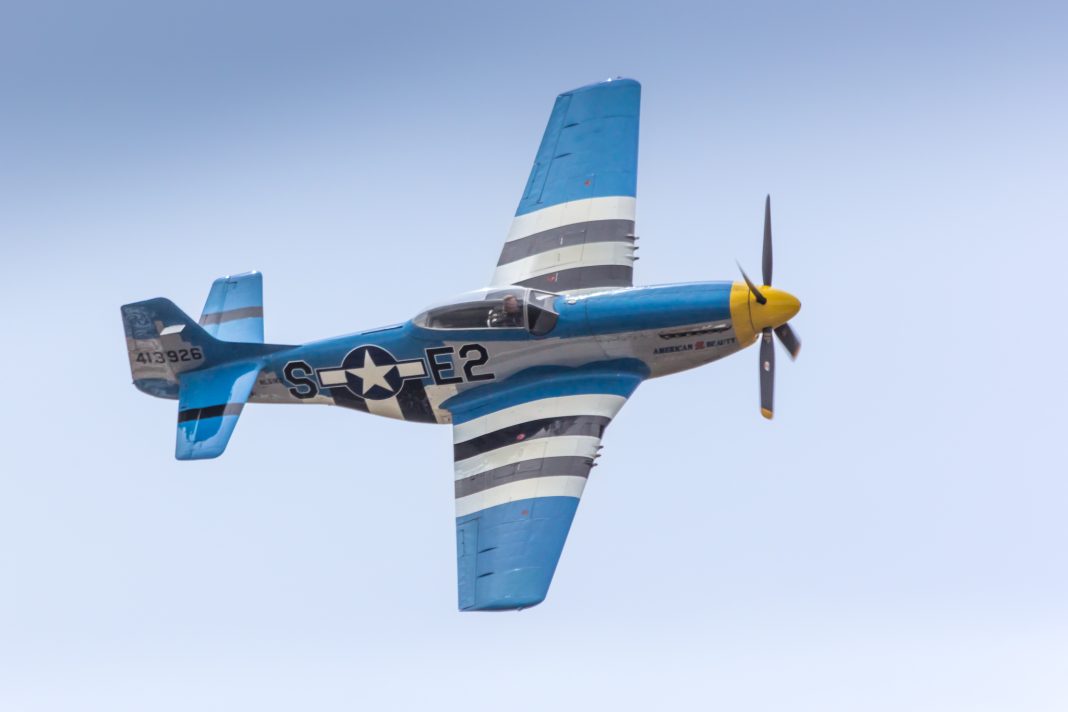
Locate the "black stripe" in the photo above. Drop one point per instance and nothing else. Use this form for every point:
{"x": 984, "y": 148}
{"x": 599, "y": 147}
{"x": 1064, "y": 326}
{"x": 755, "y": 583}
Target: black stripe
{"x": 696, "y": 332}
{"x": 528, "y": 469}
{"x": 346, "y": 399}
{"x": 545, "y": 428}
{"x": 211, "y": 411}
{"x": 223, "y": 316}
{"x": 583, "y": 278}
{"x": 575, "y": 234}
{"x": 414, "y": 404}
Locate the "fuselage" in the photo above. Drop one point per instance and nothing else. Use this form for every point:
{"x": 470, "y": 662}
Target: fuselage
{"x": 411, "y": 370}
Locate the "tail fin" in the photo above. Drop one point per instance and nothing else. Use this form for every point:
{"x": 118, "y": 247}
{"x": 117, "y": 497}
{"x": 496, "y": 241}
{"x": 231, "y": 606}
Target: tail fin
{"x": 234, "y": 309}
{"x": 163, "y": 342}
{"x": 171, "y": 356}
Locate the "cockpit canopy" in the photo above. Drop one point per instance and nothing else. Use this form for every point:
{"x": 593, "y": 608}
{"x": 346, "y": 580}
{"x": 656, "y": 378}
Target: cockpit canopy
{"x": 494, "y": 308}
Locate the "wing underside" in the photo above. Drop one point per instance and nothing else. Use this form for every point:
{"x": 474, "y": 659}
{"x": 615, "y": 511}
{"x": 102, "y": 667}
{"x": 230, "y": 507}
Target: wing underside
{"x": 574, "y": 227}
{"x": 523, "y": 450}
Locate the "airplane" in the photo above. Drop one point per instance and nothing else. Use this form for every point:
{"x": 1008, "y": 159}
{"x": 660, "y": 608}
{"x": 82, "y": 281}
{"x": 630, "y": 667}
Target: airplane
{"x": 528, "y": 371}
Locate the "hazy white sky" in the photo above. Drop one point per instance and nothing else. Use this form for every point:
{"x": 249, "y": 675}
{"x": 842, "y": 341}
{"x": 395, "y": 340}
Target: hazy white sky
{"x": 894, "y": 540}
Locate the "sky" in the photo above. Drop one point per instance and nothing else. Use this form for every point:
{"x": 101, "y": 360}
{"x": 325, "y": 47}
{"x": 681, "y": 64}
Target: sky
{"x": 895, "y": 539}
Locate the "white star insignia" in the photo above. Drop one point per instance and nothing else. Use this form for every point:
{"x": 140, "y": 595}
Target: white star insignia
{"x": 371, "y": 374}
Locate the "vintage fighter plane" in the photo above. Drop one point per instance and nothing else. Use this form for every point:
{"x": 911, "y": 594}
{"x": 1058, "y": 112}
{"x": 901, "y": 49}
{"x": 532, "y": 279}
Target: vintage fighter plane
{"x": 528, "y": 371}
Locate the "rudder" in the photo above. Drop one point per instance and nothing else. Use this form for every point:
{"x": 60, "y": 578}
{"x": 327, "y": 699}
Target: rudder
{"x": 234, "y": 308}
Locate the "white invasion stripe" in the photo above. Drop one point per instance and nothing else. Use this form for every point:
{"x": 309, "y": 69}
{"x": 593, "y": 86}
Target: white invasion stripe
{"x": 437, "y": 395}
{"x": 577, "y": 211}
{"x": 333, "y": 377}
{"x": 388, "y": 407}
{"x": 587, "y": 255}
{"x": 558, "y": 407}
{"x": 562, "y": 446}
{"x": 559, "y": 486}
{"x": 411, "y": 369}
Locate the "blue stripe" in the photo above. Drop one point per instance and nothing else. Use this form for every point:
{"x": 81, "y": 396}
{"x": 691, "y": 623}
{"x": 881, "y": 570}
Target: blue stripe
{"x": 515, "y": 547}
{"x": 619, "y": 377}
{"x": 589, "y": 149}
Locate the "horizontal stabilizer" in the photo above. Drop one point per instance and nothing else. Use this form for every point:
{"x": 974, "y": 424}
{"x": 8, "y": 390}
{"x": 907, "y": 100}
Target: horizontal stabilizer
{"x": 209, "y": 403}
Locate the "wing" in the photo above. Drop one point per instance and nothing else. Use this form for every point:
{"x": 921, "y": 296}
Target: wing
{"x": 523, "y": 449}
{"x": 574, "y": 228}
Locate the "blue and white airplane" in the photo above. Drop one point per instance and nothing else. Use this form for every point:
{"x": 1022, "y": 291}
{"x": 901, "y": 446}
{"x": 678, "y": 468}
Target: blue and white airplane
{"x": 528, "y": 371}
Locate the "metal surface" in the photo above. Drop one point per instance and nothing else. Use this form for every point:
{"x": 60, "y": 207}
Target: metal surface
{"x": 529, "y": 380}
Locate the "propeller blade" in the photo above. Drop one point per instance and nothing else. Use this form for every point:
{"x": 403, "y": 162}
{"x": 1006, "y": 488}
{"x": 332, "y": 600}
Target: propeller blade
{"x": 761, "y": 299}
{"x": 789, "y": 339}
{"x": 767, "y": 242}
{"x": 767, "y": 374}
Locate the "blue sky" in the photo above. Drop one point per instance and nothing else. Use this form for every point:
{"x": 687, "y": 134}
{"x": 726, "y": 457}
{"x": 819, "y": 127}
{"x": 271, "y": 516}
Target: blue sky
{"x": 895, "y": 539}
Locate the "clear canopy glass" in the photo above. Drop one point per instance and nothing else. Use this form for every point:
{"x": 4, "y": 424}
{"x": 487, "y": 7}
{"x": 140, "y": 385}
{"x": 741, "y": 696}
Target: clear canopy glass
{"x": 494, "y": 308}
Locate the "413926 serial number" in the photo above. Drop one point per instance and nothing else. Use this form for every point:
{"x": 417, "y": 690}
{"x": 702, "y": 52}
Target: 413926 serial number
{"x": 173, "y": 356}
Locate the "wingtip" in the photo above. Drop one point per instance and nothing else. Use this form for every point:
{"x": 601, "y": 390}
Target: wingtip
{"x": 611, "y": 81}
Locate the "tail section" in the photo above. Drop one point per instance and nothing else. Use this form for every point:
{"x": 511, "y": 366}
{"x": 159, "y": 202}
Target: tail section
{"x": 163, "y": 343}
{"x": 234, "y": 309}
{"x": 209, "y": 404}
{"x": 171, "y": 356}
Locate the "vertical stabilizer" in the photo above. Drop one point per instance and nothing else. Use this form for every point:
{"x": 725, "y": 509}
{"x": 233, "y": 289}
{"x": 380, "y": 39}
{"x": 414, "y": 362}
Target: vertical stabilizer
{"x": 234, "y": 309}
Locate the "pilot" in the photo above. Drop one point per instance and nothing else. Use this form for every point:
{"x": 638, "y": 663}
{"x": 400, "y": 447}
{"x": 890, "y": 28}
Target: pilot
{"x": 509, "y": 314}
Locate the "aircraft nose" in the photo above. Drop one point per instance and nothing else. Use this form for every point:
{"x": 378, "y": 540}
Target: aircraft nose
{"x": 780, "y": 308}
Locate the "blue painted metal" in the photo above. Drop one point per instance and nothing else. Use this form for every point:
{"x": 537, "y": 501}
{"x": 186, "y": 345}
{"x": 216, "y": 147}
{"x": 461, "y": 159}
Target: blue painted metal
{"x": 222, "y": 389}
{"x": 507, "y": 554}
{"x": 517, "y": 548}
{"x": 619, "y": 377}
{"x": 467, "y": 560}
{"x": 233, "y": 310}
{"x": 657, "y": 307}
{"x": 143, "y": 321}
{"x": 589, "y": 149}
{"x": 603, "y": 342}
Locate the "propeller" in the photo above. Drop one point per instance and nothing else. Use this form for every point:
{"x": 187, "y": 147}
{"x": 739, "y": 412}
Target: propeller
{"x": 780, "y": 305}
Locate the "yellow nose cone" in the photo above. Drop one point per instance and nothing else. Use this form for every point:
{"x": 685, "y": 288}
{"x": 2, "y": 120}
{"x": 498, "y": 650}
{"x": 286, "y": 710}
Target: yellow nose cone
{"x": 750, "y": 317}
{"x": 780, "y": 308}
